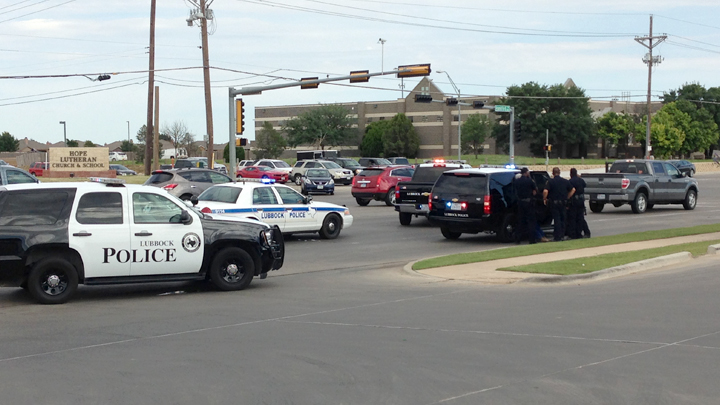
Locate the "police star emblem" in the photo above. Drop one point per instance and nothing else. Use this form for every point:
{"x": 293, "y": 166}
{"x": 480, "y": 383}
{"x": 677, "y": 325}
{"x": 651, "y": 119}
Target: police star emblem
{"x": 191, "y": 242}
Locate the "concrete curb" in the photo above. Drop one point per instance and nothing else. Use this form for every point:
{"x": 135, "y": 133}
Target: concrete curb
{"x": 713, "y": 249}
{"x": 409, "y": 270}
{"x": 625, "y": 269}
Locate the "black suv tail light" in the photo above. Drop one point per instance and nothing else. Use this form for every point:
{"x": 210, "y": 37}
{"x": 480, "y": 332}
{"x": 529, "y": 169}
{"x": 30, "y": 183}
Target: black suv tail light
{"x": 486, "y": 205}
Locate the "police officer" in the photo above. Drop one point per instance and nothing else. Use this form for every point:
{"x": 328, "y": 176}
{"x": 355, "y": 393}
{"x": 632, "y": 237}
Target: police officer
{"x": 576, "y": 224}
{"x": 556, "y": 195}
{"x": 525, "y": 189}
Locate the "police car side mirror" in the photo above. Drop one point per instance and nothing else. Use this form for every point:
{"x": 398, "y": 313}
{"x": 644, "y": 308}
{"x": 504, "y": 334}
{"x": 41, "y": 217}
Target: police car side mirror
{"x": 194, "y": 200}
{"x": 307, "y": 199}
{"x": 185, "y": 218}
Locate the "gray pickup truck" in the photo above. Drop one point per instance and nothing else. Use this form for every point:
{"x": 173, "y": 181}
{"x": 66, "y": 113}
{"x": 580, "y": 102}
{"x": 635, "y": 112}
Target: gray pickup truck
{"x": 642, "y": 184}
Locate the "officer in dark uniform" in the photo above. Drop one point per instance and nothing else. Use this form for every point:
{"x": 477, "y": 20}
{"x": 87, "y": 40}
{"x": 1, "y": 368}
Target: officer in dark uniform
{"x": 525, "y": 189}
{"x": 556, "y": 194}
{"x": 576, "y": 224}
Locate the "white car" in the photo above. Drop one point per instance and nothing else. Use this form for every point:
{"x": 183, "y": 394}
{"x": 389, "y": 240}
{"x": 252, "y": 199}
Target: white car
{"x": 275, "y": 164}
{"x": 275, "y": 204}
{"x": 115, "y": 156}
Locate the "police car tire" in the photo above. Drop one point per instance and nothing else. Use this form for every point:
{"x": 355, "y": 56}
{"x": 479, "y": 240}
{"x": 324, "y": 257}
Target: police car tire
{"x": 225, "y": 281}
{"x": 362, "y": 201}
{"x": 331, "y": 227}
{"x": 405, "y": 218}
{"x": 507, "y": 229}
{"x": 48, "y": 267}
{"x": 390, "y": 197}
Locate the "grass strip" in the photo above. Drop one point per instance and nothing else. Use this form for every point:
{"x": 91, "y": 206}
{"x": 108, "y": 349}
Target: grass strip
{"x": 539, "y": 248}
{"x": 584, "y": 265}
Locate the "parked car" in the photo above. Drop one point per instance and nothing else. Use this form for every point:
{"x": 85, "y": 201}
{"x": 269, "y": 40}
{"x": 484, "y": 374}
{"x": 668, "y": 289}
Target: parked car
{"x": 115, "y": 156}
{"x": 274, "y": 163}
{"x": 378, "y": 183}
{"x": 4, "y": 163}
{"x": 121, "y": 170}
{"x": 200, "y": 162}
{"x": 246, "y": 163}
{"x": 317, "y": 181}
{"x": 262, "y": 172}
{"x": 684, "y": 166}
{"x": 14, "y": 175}
{"x": 186, "y": 183}
{"x": 37, "y": 168}
{"x": 399, "y": 161}
{"x": 369, "y": 161}
{"x": 338, "y": 174}
{"x": 347, "y": 163}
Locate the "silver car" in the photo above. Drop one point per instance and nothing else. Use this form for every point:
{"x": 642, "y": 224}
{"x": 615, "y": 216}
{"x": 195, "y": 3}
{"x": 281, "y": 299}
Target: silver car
{"x": 186, "y": 183}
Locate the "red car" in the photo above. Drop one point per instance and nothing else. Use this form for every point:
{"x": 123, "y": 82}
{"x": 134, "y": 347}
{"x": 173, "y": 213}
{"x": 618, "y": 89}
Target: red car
{"x": 378, "y": 183}
{"x": 37, "y": 168}
{"x": 263, "y": 172}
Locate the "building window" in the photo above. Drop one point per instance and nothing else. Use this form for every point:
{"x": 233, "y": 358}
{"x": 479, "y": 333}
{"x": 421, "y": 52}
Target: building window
{"x": 424, "y": 118}
{"x": 455, "y": 118}
{"x": 412, "y": 119}
{"x": 381, "y": 119}
{"x": 369, "y": 120}
{"x": 439, "y": 118}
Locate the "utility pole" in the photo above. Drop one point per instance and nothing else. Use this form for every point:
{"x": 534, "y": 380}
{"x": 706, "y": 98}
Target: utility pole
{"x": 382, "y": 55}
{"x": 156, "y": 138}
{"x": 204, "y": 15}
{"x": 650, "y": 61}
{"x": 151, "y": 85}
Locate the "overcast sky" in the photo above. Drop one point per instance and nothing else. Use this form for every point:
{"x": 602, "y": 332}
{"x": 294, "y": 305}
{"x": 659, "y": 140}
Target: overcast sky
{"x": 484, "y": 46}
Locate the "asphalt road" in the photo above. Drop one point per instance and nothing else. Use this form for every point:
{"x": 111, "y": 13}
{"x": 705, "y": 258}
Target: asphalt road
{"x": 350, "y": 327}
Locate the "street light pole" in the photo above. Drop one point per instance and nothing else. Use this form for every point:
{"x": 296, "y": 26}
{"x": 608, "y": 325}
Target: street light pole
{"x": 64, "y": 132}
{"x": 459, "y": 115}
{"x": 382, "y": 55}
{"x": 128, "y": 122}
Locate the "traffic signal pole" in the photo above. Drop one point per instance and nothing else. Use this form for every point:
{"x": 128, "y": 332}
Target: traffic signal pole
{"x": 512, "y": 136}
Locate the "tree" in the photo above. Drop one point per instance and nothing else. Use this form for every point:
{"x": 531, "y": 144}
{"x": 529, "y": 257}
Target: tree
{"x": 617, "y": 128}
{"x": 475, "y": 130}
{"x": 703, "y": 107}
{"x": 269, "y": 143}
{"x": 328, "y": 125}
{"x": 564, "y": 111}
{"x": 668, "y": 130}
{"x": 71, "y": 143}
{"x": 239, "y": 153}
{"x": 89, "y": 144}
{"x": 400, "y": 138}
{"x": 127, "y": 146}
{"x": 8, "y": 143}
{"x": 372, "y": 142}
{"x": 177, "y": 132}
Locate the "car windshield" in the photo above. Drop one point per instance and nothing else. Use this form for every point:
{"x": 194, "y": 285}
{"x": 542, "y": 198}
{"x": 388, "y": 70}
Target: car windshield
{"x": 318, "y": 173}
{"x": 382, "y": 162}
{"x": 264, "y": 168}
{"x": 401, "y": 161}
{"x": 331, "y": 165}
{"x": 280, "y": 163}
{"x": 350, "y": 163}
{"x": 220, "y": 194}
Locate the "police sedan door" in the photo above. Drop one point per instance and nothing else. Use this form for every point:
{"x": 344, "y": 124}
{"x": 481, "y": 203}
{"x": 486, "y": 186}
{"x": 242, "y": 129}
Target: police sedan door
{"x": 161, "y": 244}
{"x": 298, "y": 215}
{"x": 267, "y": 206}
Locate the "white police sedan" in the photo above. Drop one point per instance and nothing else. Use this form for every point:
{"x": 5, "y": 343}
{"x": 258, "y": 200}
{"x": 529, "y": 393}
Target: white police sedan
{"x": 275, "y": 204}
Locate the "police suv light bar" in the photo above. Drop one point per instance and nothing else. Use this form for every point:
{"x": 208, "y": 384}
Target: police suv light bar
{"x": 105, "y": 180}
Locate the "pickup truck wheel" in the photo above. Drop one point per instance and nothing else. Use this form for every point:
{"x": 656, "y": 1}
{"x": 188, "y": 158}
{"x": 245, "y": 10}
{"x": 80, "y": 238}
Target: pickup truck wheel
{"x": 362, "y": 201}
{"x": 331, "y": 227}
{"x": 596, "y": 207}
{"x": 390, "y": 197}
{"x": 639, "y": 205}
{"x": 506, "y": 231}
{"x": 52, "y": 281}
{"x": 650, "y": 206}
{"x": 405, "y": 218}
{"x": 232, "y": 269}
{"x": 298, "y": 179}
{"x": 690, "y": 200}
{"x": 448, "y": 234}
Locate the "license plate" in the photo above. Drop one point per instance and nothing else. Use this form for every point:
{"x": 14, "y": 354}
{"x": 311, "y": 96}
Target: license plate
{"x": 363, "y": 185}
{"x": 455, "y": 207}
{"x": 601, "y": 196}
{"x": 320, "y": 187}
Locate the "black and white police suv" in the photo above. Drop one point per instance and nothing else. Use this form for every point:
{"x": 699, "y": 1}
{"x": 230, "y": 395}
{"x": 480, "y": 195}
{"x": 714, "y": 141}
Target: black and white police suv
{"x": 58, "y": 235}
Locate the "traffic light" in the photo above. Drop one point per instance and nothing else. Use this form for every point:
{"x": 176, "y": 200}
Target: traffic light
{"x": 241, "y": 141}
{"x": 422, "y": 98}
{"x": 518, "y": 130}
{"x": 309, "y": 85}
{"x": 478, "y": 104}
{"x": 239, "y": 116}
{"x": 359, "y": 79}
{"x": 451, "y": 101}
{"x": 414, "y": 70}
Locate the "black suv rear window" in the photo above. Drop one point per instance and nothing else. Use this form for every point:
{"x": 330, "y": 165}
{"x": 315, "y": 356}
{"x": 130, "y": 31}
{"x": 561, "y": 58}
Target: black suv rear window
{"x": 371, "y": 172}
{"x": 158, "y": 178}
{"x": 429, "y": 174}
{"x": 32, "y": 208}
{"x": 461, "y": 183}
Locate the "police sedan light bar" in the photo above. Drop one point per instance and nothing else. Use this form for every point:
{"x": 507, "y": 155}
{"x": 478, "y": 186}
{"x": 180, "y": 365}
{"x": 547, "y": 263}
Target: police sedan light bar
{"x": 414, "y": 70}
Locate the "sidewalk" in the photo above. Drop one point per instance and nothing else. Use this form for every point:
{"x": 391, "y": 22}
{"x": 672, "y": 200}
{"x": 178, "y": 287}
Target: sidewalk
{"x": 487, "y": 273}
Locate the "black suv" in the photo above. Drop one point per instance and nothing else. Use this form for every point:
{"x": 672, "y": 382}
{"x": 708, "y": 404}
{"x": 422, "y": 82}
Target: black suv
{"x": 481, "y": 200}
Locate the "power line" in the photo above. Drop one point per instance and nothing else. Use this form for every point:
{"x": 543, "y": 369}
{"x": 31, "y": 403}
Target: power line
{"x": 688, "y": 22}
{"x": 692, "y": 40}
{"x": 38, "y": 11}
{"x": 20, "y": 8}
{"x": 681, "y": 45}
{"x": 93, "y": 40}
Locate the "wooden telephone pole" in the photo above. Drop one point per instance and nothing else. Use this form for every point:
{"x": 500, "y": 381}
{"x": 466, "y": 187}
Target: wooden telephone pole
{"x": 151, "y": 84}
{"x": 650, "y": 61}
{"x": 203, "y": 14}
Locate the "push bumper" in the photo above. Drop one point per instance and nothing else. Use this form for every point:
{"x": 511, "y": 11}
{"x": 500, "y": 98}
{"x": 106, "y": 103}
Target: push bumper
{"x": 416, "y": 209}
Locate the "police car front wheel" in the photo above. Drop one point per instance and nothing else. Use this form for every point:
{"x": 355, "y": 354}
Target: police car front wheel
{"x": 52, "y": 281}
{"x": 232, "y": 269}
{"x": 331, "y": 227}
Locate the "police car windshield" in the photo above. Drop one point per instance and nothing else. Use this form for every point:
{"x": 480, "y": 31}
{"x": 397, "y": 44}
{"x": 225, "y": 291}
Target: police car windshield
{"x": 220, "y": 194}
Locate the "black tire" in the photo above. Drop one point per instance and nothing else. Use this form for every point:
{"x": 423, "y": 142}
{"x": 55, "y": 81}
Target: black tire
{"x": 331, "y": 227}
{"x": 596, "y": 207}
{"x": 390, "y": 197}
{"x": 52, "y": 281}
{"x": 507, "y": 230}
{"x": 298, "y": 179}
{"x": 229, "y": 278}
{"x": 639, "y": 205}
{"x": 650, "y": 206}
{"x": 186, "y": 197}
{"x": 690, "y": 200}
{"x": 449, "y": 234}
{"x": 617, "y": 204}
{"x": 405, "y": 218}
{"x": 362, "y": 201}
